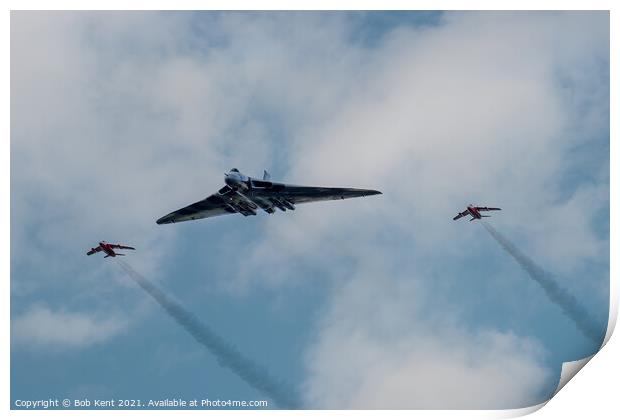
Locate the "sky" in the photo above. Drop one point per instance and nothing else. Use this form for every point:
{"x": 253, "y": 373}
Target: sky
{"x": 118, "y": 118}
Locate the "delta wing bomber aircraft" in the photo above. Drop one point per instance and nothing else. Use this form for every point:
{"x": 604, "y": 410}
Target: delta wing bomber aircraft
{"x": 246, "y": 195}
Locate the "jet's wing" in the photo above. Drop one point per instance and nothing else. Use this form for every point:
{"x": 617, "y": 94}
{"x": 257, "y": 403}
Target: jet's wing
{"x": 487, "y": 208}
{"x": 458, "y": 216}
{"x": 213, "y": 205}
{"x": 297, "y": 194}
{"x": 121, "y": 246}
{"x": 93, "y": 250}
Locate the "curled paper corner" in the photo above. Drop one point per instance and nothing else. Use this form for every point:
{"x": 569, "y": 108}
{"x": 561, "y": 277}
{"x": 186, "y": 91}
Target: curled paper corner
{"x": 570, "y": 369}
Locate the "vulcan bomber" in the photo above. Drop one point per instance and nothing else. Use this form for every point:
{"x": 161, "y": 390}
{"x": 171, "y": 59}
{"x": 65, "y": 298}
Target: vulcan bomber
{"x": 247, "y": 196}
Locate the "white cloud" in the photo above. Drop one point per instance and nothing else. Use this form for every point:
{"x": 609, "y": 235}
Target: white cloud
{"x": 483, "y": 371}
{"x": 40, "y": 327}
{"x": 116, "y": 116}
{"x": 385, "y": 342}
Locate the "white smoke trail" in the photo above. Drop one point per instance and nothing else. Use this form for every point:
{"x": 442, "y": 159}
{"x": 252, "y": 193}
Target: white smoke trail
{"x": 226, "y": 354}
{"x": 561, "y": 297}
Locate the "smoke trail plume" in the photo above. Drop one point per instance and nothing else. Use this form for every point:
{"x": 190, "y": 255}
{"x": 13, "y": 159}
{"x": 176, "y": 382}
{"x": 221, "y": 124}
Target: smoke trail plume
{"x": 226, "y": 354}
{"x": 561, "y": 297}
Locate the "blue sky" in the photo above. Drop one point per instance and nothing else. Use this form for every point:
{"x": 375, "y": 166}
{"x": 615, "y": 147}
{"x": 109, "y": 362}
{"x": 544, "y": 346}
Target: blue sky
{"x": 120, "y": 118}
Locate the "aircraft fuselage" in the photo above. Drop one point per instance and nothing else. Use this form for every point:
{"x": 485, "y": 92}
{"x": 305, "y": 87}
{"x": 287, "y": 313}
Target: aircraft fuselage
{"x": 236, "y": 180}
{"x": 473, "y": 211}
{"x": 107, "y": 249}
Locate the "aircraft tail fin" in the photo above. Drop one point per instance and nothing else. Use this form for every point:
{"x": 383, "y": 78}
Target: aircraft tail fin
{"x": 266, "y": 176}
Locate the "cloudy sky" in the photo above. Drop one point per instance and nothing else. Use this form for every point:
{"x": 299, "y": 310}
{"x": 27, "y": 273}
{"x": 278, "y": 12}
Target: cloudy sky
{"x": 118, "y": 118}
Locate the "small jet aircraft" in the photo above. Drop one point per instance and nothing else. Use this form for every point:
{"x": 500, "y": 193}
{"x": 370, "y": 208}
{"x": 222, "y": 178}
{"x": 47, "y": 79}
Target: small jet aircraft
{"x": 245, "y": 195}
{"x": 474, "y": 212}
{"x": 108, "y": 249}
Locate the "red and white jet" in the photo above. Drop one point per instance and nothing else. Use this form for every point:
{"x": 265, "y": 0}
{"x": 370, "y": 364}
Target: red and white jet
{"x": 474, "y": 212}
{"x": 108, "y": 249}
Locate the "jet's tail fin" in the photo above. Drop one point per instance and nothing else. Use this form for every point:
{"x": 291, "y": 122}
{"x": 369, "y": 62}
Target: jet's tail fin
{"x": 266, "y": 176}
